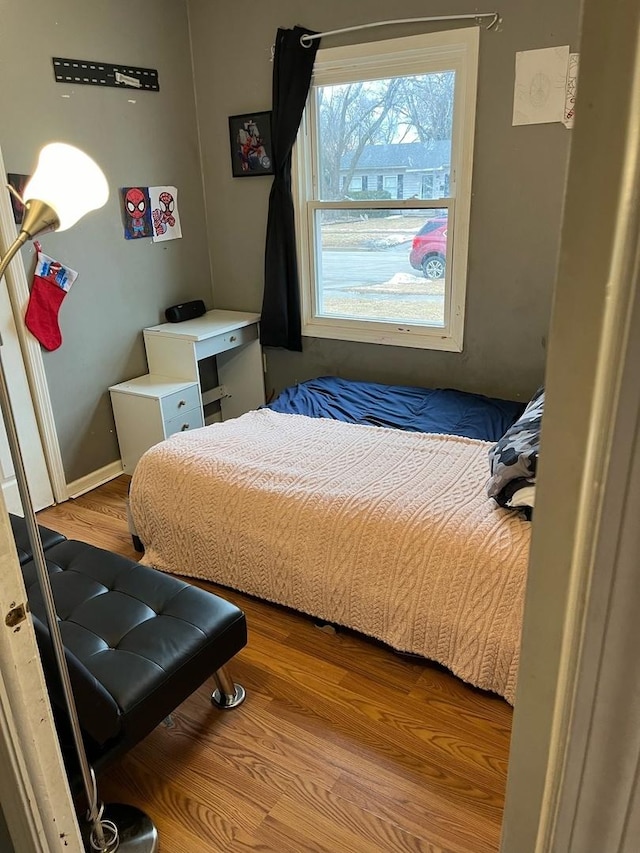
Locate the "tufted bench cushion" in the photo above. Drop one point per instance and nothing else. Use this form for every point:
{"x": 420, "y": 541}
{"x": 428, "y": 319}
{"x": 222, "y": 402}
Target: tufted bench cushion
{"x": 137, "y": 641}
{"x": 23, "y": 546}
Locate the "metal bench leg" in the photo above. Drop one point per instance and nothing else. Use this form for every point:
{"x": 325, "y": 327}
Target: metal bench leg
{"x": 228, "y": 695}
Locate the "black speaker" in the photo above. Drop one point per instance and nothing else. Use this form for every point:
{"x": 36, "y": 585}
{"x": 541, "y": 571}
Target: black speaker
{"x": 185, "y": 311}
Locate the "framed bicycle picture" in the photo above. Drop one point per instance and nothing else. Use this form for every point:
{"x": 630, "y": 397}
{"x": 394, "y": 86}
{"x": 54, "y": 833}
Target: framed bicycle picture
{"x": 250, "y": 139}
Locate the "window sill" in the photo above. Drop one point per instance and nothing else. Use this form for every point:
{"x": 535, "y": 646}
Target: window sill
{"x": 409, "y": 338}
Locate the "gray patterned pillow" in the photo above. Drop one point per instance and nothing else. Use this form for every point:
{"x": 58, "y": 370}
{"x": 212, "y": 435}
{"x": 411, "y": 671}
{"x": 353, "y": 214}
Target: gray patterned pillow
{"x": 514, "y": 459}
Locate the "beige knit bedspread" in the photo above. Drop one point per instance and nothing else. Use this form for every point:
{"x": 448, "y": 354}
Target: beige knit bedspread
{"x": 388, "y": 532}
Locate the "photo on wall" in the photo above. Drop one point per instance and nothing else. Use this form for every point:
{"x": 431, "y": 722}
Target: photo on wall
{"x": 250, "y": 138}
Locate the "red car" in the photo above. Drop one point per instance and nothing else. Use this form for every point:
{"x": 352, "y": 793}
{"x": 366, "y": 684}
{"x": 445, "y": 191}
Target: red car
{"x": 429, "y": 248}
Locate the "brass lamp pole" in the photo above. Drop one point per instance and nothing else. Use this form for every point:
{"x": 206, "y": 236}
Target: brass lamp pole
{"x": 66, "y": 185}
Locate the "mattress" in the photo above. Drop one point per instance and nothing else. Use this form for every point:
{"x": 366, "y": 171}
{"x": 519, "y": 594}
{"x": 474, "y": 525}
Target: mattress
{"x": 441, "y": 411}
{"x": 388, "y": 532}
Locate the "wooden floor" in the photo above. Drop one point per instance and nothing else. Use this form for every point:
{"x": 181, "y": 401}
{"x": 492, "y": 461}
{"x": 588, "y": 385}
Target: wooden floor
{"x": 341, "y": 745}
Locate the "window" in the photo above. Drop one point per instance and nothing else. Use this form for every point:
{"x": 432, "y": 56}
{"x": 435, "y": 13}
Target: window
{"x": 388, "y": 265}
{"x": 390, "y": 185}
{"x": 427, "y": 186}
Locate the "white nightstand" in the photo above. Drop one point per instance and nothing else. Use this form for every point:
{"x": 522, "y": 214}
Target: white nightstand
{"x": 151, "y": 408}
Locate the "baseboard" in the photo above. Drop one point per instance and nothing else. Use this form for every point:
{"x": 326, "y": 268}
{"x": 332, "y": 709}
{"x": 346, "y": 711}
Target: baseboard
{"x": 95, "y": 479}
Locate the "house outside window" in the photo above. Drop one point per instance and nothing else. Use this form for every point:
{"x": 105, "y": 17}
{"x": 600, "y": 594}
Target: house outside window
{"x": 380, "y": 263}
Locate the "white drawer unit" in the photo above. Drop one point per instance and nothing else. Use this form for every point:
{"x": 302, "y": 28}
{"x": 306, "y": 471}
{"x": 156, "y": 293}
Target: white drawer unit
{"x": 180, "y": 402}
{"x": 151, "y": 408}
{"x": 190, "y": 420}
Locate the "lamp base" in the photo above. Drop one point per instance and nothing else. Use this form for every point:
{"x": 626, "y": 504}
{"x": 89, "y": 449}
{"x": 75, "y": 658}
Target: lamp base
{"x": 137, "y": 832}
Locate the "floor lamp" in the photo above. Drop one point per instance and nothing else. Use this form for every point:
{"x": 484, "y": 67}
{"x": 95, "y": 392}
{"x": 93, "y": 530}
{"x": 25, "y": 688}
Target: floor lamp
{"x": 66, "y": 185}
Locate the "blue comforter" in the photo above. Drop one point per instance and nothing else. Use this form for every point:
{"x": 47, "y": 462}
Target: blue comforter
{"x": 400, "y": 407}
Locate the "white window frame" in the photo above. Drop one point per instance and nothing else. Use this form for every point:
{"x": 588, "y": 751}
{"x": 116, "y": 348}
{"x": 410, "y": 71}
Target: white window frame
{"x": 455, "y": 50}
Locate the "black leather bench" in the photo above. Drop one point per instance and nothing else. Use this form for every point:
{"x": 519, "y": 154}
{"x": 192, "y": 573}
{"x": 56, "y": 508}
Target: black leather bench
{"x": 23, "y": 546}
{"x": 137, "y": 641}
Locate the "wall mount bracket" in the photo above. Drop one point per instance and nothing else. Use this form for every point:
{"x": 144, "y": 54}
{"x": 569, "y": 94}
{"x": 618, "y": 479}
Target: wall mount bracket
{"x": 88, "y": 72}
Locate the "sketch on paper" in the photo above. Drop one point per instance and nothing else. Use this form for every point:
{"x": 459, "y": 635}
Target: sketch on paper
{"x": 137, "y": 216}
{"x": 164, "y": 213}
{"x": 572, "y": 88}
{"x": 540, "y": 86}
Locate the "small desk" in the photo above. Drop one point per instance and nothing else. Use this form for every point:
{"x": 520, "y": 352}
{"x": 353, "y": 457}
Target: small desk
{"x": 175, "y": 349}
{"x": 170, "y": 398}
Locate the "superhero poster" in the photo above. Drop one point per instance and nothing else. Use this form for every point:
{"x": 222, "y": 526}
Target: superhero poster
{"x": 250, "y": 136}
{"x": 136, "y": 207}
{"x": 165, "y": 218}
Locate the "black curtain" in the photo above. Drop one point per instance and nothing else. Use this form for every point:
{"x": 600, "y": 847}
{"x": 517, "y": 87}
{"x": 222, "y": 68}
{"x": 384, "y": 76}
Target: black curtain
{"x": 292, "y": 69}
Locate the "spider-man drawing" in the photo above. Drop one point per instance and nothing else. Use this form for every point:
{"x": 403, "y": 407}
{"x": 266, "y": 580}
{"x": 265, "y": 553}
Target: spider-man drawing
{"x": 135, "y": 203}
{"x": 163, "y": 217}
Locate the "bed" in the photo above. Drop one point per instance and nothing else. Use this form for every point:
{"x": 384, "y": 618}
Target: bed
{"x": 333, "y": 502}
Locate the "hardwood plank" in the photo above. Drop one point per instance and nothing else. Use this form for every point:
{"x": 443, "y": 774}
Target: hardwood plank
{"x": 343, "y": 825}
{"x": 341, "y": 744}
{"x": 384, "y": 726}
{"x": 404, "y": 804}
{"x": 352, "y": 760}
{"x": 367, "y": 659}
{"x": 380, "y": 748}
{"x": 460, "y": 718}
{"x": 265, "y": 753}
{"x": 173, "y": 809}
{"x": 435, "y": 681}
{"x": 224, "y": 788}
{"x": 101, "y": 529}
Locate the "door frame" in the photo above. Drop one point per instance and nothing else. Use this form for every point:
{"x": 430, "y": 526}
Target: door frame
{"x": 18, "y": 290}
{"x": 34, "y": 790}
{"x": 574, "y": 769}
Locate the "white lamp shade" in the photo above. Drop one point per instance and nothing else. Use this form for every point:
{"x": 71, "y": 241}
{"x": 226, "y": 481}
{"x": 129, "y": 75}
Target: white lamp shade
{"x": 69, "y": 181}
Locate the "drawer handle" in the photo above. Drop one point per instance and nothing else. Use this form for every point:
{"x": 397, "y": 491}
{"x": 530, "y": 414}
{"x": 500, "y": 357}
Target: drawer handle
{"x": 182, "y": 403}
{"x": 184, "y": 427}
{"x": 232, "y": 339}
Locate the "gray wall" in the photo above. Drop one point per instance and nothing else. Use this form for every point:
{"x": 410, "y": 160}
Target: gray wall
{"x": 123, "y": 286}
{"x": 518, "y": 185}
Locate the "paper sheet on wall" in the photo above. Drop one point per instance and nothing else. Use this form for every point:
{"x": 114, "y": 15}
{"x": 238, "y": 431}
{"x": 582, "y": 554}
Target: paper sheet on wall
{"x": 137, "y": 216}
{"x": 572, "y": 88}
{"x": 540, "y": 88}
{"x": 164, "y": 213}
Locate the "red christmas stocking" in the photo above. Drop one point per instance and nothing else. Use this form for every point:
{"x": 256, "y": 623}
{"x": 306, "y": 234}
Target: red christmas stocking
{"x": 51, "y": 282}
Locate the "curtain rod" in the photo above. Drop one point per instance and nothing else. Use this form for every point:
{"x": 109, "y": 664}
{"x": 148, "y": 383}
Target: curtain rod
{"x": 307, "y": 38}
